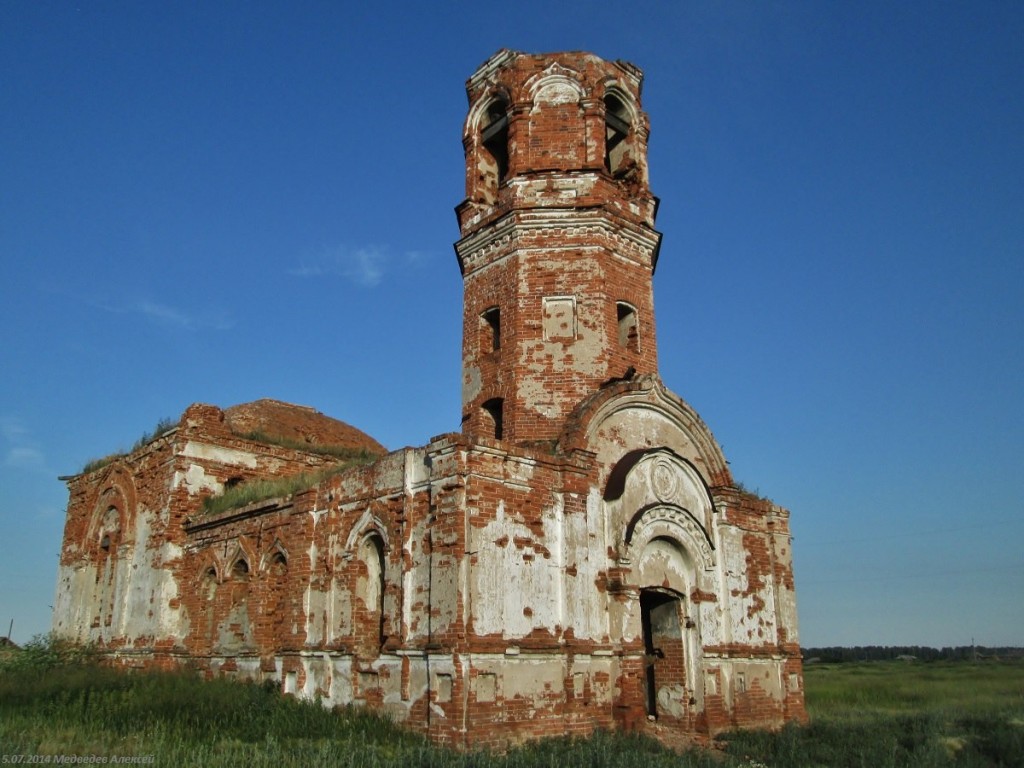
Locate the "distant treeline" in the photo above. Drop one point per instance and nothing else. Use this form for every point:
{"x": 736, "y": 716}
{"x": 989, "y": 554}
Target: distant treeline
{"x": 918, "y": 652}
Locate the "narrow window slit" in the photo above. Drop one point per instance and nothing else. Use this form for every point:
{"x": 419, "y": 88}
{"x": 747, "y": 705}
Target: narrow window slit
{"x": 629, "y": 335}
{"x": 494, "y": 408}
{"x": 491, "y": 329}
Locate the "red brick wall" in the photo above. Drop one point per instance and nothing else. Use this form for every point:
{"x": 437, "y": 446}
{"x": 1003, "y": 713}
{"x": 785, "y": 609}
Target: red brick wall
{"x": 561, "y": 226}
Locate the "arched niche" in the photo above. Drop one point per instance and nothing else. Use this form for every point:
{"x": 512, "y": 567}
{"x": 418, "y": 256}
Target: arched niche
{"x": 655, "y": 494}
{"x": 370, "y": 586}
{"x": 641, "y": 414}
{"x": 367, "y": 524}
{"x": 113, "y": 514}
{"x": 555, "y": 129}
{"x": 275, "y": 560}
{"x": 558, "y": 85}
{"x": 368, "y": 544}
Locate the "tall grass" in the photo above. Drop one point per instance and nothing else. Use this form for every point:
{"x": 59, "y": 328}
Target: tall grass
{"x": 55, "y": 699}
{"x": 55, "y": 702}
{"x": 882, "y": 714}
{"x": 867, "y": 691}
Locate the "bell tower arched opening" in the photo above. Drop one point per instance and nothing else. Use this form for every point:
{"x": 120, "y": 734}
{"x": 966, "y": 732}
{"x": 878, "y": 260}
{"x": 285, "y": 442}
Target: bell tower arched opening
{"x": 494, "y": 140}
{"x": 616, "y": 145}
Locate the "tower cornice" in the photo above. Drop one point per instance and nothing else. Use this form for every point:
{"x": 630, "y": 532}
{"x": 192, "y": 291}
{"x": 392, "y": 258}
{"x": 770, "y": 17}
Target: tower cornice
{"x": 568, "y": 228}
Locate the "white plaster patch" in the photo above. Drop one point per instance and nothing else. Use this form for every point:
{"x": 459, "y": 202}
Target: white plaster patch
{"x": 532, "y": 678}
{"x": 318, "y": 675}
{"x": 341, "y": 613}
{"x": 558, "y": 92}
{"x": 194, "y": 450}
{"x": 516, "y": 582}
{"x": 341, "y": 682}
{"x": 314, "y": 603}
{"x": 472, "y": 384}
{"x": 662, "y": 565}
{"x": 671, "y": 700}
{"x": 559, "y": 315}
{"x": 196, "y": 481}
{"x": 710, "y": 624}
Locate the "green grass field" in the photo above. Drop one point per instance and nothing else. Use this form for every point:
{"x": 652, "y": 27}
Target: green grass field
{"x": 875, "y": 715}
{"x": 893, "y": 713}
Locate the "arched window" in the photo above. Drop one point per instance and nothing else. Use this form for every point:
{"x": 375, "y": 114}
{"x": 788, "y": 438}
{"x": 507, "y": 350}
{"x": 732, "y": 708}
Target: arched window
{"x": 210, "y": 582}
{"x": 278, "y": 564}
{"x": 240, "y": 570}
{"x": 616, "y": 125}
{"x": 629, "y": 332}
{"x": 110, "y": 528}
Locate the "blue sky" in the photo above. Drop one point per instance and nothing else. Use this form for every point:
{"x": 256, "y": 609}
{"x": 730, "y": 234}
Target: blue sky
{"x": 216, "y": 202}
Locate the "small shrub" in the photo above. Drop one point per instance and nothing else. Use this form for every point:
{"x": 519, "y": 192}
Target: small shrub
{"x": 742, "y": 488}
{"x": 48, "y": 651}
{"x": 163, "y": 426}
{"x": 93, "y": 464}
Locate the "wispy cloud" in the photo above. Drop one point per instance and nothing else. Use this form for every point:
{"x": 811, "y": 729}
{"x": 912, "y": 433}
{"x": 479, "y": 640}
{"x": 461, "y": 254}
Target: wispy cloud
{"x": 25, "y": 458}
{"x": 12, "y": 430}
{"x": 165, "y": 315}
{"x": 363, "y": 266}
{"x": 20, "y": 450}
{"x": 416, "y": 257}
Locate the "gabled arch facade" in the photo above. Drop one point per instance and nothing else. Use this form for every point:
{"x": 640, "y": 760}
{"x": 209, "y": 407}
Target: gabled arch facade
{"x": 688, "y": 553}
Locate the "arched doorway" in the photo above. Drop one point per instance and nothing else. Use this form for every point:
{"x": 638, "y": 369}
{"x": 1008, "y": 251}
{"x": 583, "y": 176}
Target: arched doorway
{"x": 661, "y": 506}
{"x": 662, "y": 621}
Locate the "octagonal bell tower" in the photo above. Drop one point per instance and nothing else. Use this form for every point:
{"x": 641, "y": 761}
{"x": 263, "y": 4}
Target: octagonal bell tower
{"x": 558, "y": 243}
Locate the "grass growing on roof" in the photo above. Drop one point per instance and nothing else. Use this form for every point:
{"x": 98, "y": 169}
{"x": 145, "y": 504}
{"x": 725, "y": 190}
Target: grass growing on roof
{"x": 337, "y": 451}
{"x": 162, "y": 427}
{"x": 261, "y": 490}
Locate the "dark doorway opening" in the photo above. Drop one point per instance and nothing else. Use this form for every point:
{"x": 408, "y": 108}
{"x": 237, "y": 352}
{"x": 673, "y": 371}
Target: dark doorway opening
{"x": 663, "y": 643}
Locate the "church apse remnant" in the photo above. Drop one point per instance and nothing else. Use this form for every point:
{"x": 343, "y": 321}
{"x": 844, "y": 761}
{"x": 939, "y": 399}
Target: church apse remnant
{"x": 576, "y": 557}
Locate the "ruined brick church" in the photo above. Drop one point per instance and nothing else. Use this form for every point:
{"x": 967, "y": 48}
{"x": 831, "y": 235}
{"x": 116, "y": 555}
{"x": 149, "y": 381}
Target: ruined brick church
{"x": 576, "y": 557}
